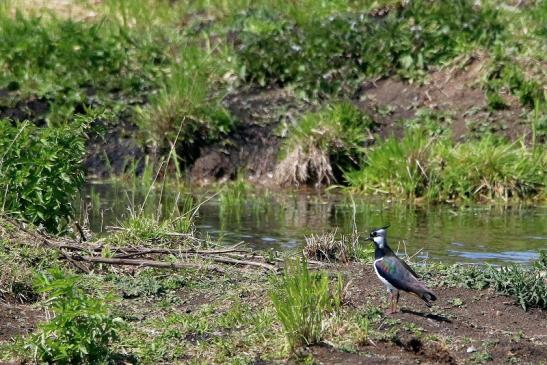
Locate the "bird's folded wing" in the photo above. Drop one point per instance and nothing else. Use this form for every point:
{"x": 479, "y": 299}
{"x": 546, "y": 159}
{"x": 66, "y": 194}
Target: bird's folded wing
{"x": 393, "y": 270}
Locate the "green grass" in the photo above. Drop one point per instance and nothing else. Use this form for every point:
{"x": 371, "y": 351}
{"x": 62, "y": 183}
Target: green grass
{"x": 322, "y": 144}
{"x": 302, "y": 301}
{"x": 419, "y": 166}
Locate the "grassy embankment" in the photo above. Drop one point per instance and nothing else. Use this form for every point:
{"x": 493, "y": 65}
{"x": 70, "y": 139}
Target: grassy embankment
{"x": 166, "y": 68}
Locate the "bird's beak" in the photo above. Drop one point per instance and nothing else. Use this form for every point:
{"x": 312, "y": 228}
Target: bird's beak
{"x": 369, "y": 239}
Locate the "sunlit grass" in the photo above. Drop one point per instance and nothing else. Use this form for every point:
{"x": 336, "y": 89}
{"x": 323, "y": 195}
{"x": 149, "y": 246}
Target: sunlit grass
{"x": 302, "y": 300}
{"x": 436, "y": 168}
{"x": 322, "y": 144}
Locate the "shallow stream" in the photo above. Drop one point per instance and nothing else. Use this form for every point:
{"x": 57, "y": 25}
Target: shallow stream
{"x": 473, "y": 233}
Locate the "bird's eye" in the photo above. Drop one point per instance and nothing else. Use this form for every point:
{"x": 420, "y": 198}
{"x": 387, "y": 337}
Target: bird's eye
{"x": 373, "y": 234}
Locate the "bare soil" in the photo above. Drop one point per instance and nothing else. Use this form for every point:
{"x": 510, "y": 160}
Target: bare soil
{"x": 485, "y": 324}
{"x": 254, "y": 145}
{"x": 17, "y": 319}
{"x": 455, "y": 90}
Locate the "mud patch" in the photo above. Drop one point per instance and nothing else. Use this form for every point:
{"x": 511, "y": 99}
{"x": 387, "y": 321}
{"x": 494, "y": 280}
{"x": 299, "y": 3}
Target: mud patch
{"x": 17, "y": 320}
{"x": 252, "y": 148}
{"x": 455, "y": 90}
{"x": 13, "y": 108}
{"x": 482, "y": 323}
{"x": 113, "y": 148}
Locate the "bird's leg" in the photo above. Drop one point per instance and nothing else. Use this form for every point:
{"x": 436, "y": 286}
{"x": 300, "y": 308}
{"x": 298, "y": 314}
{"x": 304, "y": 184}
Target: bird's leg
{"x": 390, "y": 301}
{"x": 397, "y": 295}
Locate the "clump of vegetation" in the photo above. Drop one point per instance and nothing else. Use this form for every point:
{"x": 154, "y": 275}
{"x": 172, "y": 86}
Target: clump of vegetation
{"x": 328, "y": 247}
{"x": 302, "y": 300}
{"x": 323, "y": 144}
{"x": 72, "y": 64}
{"x": 325, "y": 55}
{"x": 184, "y": 110}
{"x": 82, "y": 328}
{"x": 41, "y": 171}
{"x": 490, "y": 168}
{"x": 396, "y": 167}
{"x": 435, "y": 168}
{"x": 148, "y": 283}
{"x": 526, "y": 285}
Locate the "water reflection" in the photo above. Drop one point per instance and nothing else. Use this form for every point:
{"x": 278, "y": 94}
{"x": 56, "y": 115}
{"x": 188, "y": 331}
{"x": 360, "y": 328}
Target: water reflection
{"x": 448, "y": 233}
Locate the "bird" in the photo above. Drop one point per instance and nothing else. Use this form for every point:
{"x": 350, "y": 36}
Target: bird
{"x": 396, "y": 274}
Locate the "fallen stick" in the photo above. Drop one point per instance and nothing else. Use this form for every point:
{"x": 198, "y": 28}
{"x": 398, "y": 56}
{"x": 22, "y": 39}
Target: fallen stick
{"x": 145, "y": 263}
{"x": 228, "y": 260}
{"x": 137, "y": 252}
{"x": 74, "y": 262}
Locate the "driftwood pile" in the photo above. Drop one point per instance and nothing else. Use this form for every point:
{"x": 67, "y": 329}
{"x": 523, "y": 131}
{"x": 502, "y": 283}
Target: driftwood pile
{"x": 83, "y": 255}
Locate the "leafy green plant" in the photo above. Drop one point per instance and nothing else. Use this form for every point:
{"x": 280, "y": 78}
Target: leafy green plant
{"x": 41, "y": 171}
{"x": 323, "y": 144}
{"x": 82, "y": 327}
{"x": 147, "y": 283}
{"x": 302, "y": 299}
{"x": 329, "y": 54}
{"x": 527, "y": 287}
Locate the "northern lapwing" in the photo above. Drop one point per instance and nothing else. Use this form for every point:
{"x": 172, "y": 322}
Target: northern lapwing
{"x": 395, "y": 273}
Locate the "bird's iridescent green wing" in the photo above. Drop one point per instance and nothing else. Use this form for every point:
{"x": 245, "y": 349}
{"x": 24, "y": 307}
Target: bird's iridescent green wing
{"x": 392, "y": 270}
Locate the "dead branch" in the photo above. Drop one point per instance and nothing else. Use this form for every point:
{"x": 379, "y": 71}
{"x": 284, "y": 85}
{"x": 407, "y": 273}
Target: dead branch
{"x": 228, "y": 260}
{"x": 144, "y": 263}
{"x": 74, "y": 262}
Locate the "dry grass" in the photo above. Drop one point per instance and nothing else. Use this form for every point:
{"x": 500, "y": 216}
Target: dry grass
{"x": 328, "y": 247}
{"x": 70, "y": 9}
{"x": 305, "y": 164}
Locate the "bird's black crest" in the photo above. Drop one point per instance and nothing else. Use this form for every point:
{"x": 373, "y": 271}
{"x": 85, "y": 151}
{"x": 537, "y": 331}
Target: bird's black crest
{"x": 384, "y": 227}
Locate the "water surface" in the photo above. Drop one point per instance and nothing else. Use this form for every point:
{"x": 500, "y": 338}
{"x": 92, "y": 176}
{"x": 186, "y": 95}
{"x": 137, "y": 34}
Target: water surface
{"x": 475, "y": 233}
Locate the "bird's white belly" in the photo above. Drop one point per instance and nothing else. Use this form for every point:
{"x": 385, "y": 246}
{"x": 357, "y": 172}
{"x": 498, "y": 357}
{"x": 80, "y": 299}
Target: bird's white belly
{"x": 386, "y": 283}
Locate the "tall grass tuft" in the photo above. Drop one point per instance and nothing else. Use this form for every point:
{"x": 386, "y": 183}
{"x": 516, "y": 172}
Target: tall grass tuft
{"x": 322, "y": 144}
{"x": 420, "y": 166}
{"x": 397, "y": 167}
{"x": 302, "y": 301}
{"x": 490, "y": 168}
{"x": 184, "y": 109}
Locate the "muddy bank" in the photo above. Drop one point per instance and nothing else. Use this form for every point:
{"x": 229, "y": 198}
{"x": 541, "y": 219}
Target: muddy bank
{"x": 464, "y": 326}
{"x": 262, "y": 115}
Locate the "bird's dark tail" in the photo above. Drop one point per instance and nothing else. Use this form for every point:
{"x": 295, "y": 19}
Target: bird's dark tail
{"x": 427, "y": 296}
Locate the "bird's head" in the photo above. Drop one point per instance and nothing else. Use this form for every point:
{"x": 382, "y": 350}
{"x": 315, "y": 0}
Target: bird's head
{"x": 379, "y": 236}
